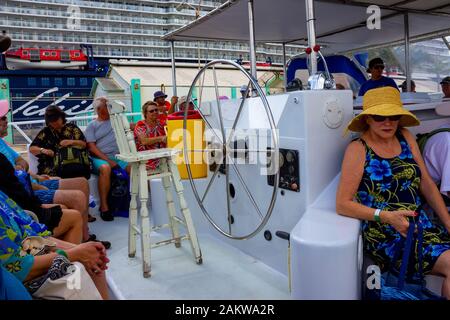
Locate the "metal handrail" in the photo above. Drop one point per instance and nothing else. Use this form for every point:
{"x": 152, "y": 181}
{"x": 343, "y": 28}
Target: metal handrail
{"x": 16, "y": 125}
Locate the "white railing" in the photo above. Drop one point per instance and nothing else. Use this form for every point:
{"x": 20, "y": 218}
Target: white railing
{"x": 18, "y": 124}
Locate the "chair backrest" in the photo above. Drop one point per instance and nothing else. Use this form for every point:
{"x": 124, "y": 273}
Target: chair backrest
{"x": 121, "y": 127}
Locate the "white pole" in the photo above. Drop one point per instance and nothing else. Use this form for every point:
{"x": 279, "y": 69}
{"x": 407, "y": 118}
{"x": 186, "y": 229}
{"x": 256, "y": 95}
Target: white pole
{"x": 310, "y": 25}
{"x": 174, "y": 72}
{"x": 407, "y": 69}
{"x": 252, "y": 39}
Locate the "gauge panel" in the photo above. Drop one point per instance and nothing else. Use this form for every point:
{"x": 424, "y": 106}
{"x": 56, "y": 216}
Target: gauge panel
{"x": 289, "y": 170}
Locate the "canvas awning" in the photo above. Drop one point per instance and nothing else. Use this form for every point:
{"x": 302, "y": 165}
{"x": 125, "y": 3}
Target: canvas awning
{"x": 340, "y": 27}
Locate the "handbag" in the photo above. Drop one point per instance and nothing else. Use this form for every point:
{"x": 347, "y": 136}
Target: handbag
{"x": 395, "y": 287}
{"x": 64, "y": 280}
{"x": 74, "y": 284}
{"x": 72, "y": 162}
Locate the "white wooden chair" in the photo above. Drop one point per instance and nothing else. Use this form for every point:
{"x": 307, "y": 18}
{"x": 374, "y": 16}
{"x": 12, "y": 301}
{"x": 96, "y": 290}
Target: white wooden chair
{"x": 140, "y": 177}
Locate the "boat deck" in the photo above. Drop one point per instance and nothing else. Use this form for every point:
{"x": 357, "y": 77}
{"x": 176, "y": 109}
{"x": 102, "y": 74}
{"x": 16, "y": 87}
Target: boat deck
{"x": 226, "y": 272}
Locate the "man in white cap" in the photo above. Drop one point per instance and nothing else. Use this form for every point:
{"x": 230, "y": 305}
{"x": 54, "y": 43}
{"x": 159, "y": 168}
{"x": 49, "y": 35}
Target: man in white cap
{"x": 182, "y": 103}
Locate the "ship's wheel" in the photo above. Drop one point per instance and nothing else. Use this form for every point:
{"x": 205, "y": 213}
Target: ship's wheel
{"x": 225, "y": 147}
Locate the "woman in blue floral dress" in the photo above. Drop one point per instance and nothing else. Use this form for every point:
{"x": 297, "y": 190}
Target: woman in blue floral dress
{"x": 16, "y": 226}
{"x": 382, "y": 183}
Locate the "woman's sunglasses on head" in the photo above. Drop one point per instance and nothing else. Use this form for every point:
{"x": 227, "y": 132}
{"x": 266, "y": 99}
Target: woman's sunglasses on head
{"x": 382, "y": 118}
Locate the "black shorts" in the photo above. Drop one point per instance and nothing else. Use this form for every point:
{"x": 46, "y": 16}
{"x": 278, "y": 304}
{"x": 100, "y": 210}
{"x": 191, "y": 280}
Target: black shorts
{"x": 50, "y": 217}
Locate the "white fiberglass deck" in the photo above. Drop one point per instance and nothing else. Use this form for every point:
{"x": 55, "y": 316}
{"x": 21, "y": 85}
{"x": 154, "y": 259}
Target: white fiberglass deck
{"x": 226, "y": 272}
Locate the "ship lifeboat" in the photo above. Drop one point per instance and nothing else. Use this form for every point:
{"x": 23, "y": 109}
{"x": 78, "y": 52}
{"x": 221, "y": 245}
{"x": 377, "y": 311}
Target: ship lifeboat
{"x": 33, "y": 58}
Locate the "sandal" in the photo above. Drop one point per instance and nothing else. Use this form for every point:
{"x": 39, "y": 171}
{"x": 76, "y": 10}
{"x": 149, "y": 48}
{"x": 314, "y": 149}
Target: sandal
{"x": 91, "y": 218}
{"x": 106, "y": 215}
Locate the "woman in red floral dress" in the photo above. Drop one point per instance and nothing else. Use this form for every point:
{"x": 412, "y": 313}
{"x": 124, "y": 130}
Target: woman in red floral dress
{"x": 149, "y": 133}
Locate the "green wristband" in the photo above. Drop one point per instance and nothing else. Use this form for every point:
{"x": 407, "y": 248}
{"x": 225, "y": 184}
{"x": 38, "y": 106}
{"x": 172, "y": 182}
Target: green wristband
{"x": 62, "y": 253}
{"x": 376, "y": 215}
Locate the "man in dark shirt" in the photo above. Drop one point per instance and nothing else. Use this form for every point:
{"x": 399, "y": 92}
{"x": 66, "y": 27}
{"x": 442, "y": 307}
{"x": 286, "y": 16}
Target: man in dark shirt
{"x": 377, "y": 80}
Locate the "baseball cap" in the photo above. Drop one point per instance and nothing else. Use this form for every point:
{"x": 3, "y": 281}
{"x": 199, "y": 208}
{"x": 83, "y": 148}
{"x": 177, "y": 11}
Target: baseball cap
{"x": 4, "y": 107}
{"x": 446, "y": 80}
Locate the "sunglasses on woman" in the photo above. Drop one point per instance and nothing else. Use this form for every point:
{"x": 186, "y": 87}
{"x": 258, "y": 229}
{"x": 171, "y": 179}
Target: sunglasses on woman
{"x": 382, "y": 118}
{"x": 152, "y": 110}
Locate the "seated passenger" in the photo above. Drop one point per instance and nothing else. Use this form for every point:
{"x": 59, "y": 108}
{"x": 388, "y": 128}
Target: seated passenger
{"x": 382, "y": 182}
{"x": 182, "y": 103}
{"x": 103, "y": 148}
{"x": 16, "y": 226}
{"x": 164, "y": 107}
{"x": 436, "y": 151}
{"x": 149, "y": 133}
{"x": 49, "y": 144}
{"x": 445, "y": 85}
{"x": 72, "y": 193}
{"x": 405, "y": 88}
{"x": 377, "y": 80}
{"x": 65, "y": 224}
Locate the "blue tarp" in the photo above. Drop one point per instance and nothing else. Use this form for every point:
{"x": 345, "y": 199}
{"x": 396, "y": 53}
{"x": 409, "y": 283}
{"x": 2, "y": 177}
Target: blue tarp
{"x": 336, "y": 64}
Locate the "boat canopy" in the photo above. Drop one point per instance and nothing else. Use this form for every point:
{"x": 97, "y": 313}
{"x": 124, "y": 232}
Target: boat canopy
{"x": 340, "y": 25}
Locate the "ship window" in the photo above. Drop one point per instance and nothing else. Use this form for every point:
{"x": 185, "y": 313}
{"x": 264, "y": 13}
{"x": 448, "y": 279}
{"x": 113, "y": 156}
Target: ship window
{"x": 71, "y": 82}
{"x": 53, "y": 54}
{"x": 58, "y": 82}
{"x": 76, "y": 54}
{"x": 45, "y": 82}
{"x": 31, "y": 82}
{"x": 25, "y": 52}
{"x": 83, "y": 82}
{"x": 46, "y": 54}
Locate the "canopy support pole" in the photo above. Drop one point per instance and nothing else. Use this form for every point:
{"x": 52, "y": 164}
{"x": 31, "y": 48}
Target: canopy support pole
{"x": 174, "y": 73}
{"x": 252, "y": 39}
{"x": 407, "y": 64}
{"x": 284, "y": 67}
{"x": 311, "y": 28}
{"x": 446, "y": 42}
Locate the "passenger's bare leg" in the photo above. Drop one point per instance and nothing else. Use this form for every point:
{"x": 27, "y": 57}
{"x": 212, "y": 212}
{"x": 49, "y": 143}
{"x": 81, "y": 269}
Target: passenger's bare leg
{"x": 104, "y": 184}
{"x": 70, "y": 227}
{"x": 74, "y": 199}
{"x": 76, "y": 184}
{"x": 442, "y": 268}
{"x": 101, "y": 284}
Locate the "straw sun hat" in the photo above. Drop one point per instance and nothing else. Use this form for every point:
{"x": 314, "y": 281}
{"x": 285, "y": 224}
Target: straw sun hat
{"x": 383, "y": 101}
